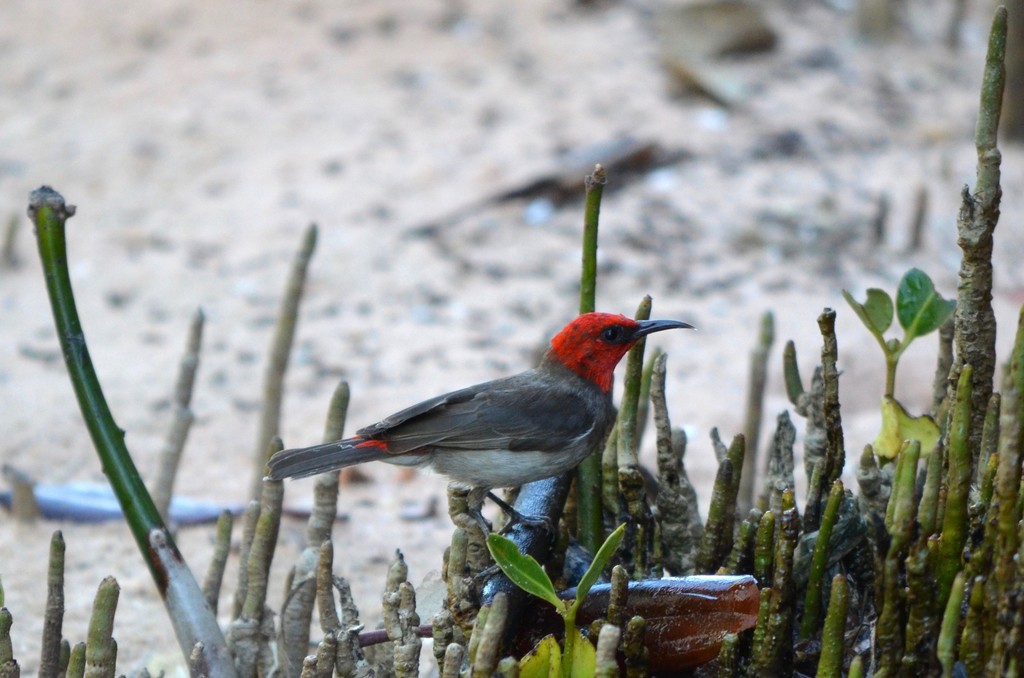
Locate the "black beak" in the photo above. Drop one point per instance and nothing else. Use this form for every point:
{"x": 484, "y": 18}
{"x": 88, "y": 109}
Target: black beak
{"x": 645, "y": 327}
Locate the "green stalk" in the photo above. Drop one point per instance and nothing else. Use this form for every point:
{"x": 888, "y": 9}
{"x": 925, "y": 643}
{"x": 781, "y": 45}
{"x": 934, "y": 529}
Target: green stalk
{"x": 903, "y": 499}
{"x": 1008, "y": 475}
{"x": 1005, "y": 506}
{"x": 774, "y": 657}
{"x": 634, "y": 648}
{"x": 717, "y": 538}
{"x": 737, "y": 453}
{"x": 729, "y": 657}
{"x": 812, "y": 599}
{"x": 631, "y": 483}
{"x": 946, "y": 649}
{"x": 955, "y": 518}
{"x": 871, "y": 481}
{"x": 474, "y": 638}
{"x": 7, "y": 660}
{"x": 757, "y": 641}
{"x": 975, "y": 319}
{"x": 631, "y": 393}
{"x": 101, "y": 648}
{"x": 755, "y": 409}
{"x": 594, "y": 187}
{"x": 488, "y": 648}
{"x": 763, "y": 543}
{"x": 791, "y": 374}
{"x": 53, "y": 618}
{"x": 589, "y": 525}
{"x": 277, "y": 359}
{"x": 568, "y": 646}
{"x": 972, "y": 641}
{"x": 835, "y": 450}
{"x": 186, "y": 605}
{"x": 715, "y": 542}
{"x": 830, "y": 663}
{"x": 219, "y": 560}
{"x": 815, "y": 490}
{"x": 891, "y": 360}
{"x": 741, "y": 559}
{"x": 48, "y": 211}
{"x": 76, "y": 662}
{"x": 920, "y": 611}
{"x": 890, "y": 625}
{"x": 643, "y": 406}
{"x": 929, "y": 511}
{"x": 889, "y": 633}
{"x": 989, "y": 437}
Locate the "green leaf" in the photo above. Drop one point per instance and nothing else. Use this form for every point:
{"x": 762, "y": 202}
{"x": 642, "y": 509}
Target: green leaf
{"x": 875, "y": 312}
{"x": 898, "y": 425}
{"x": 543, "y": 661}
{"x": 584, "y": 657}
{"x": 878, "y": 307}
{"x": 604, "y": 554}
{"x": 919, "y": 307}
{"x": 524, "y": 571}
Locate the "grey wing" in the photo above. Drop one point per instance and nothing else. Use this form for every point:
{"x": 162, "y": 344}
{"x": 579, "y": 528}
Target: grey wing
{"x": 513, "y": 414}
{"x": 426, "y": 408}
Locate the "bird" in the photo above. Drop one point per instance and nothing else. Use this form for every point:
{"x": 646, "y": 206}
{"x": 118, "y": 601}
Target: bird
{"x": 501, "y": 433}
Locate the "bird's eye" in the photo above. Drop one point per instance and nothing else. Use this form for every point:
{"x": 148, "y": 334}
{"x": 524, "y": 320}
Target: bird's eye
{"x": 612, "y": 334}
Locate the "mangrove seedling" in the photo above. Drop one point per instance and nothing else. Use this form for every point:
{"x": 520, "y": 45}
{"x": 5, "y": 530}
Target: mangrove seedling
{"x": 577, "y": 657}
{"x": 920, "y": 310}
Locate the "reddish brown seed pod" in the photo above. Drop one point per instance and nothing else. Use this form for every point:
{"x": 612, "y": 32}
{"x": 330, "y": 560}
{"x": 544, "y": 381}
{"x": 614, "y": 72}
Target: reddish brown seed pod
{"x": 687, "y": 617}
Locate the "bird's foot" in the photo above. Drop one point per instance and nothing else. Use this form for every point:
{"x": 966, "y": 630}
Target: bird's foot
{"x": 485, "y": 525}
{"x": 474, "y": 509}
{"x": 483, "y": 575}
{"x": 515, "y": 516}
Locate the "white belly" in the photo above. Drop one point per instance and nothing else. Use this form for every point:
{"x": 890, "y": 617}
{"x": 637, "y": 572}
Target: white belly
{"x": 491, "y": 468}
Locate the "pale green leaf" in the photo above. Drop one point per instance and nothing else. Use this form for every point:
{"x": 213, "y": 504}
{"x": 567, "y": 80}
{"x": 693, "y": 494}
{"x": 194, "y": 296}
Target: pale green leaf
{"x": 898, "y": 425}
{"x": 873, "y": 311}
{"x": 584, "y": 657}
{"x": 878, "y": 307}
{"x": 543, "y": 661}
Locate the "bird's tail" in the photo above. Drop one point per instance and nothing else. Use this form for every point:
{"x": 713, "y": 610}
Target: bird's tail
{"x": 309, "y": 461}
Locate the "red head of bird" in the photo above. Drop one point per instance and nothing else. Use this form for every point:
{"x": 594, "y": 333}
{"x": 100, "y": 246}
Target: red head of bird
{"x": 594, "y": 343}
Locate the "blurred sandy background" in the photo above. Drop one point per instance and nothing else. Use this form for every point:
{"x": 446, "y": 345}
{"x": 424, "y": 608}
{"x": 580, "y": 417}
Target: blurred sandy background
{"x": 200, "y": 139}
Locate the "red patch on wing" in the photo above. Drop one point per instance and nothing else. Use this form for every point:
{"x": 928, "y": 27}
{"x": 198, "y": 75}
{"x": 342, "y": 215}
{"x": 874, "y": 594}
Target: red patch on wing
{"x": 381, "y": 444}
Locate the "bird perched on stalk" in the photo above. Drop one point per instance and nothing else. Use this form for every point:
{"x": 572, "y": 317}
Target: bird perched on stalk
{"x": 505, "y": 432}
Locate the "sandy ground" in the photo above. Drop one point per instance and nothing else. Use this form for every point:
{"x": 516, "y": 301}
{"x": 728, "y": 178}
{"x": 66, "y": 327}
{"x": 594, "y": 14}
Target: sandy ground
{"x": 200, "y": 139}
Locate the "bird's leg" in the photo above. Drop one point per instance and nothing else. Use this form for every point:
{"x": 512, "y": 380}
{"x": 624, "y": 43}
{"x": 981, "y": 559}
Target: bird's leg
{"x": 503, "y": 505}
{"x": 517, "y": 517}
{"x": 483, "y": 575}
{"x": 474, "y": 508}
